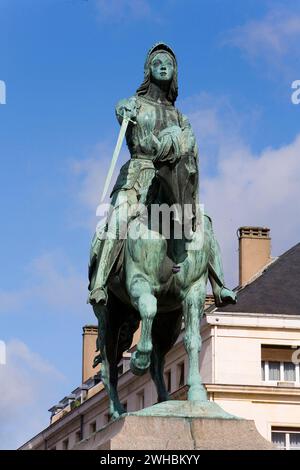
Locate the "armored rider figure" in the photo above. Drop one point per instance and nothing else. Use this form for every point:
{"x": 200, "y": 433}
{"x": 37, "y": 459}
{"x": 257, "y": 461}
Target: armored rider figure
{"x": 156, "y": 132}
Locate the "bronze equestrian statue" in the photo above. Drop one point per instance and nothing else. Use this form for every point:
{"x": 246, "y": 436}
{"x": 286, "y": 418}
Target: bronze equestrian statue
{"x": 139, "y": 271}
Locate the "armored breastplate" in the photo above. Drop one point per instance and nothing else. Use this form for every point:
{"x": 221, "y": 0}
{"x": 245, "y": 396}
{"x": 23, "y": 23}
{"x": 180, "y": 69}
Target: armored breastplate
{"x": 152, "y": 118}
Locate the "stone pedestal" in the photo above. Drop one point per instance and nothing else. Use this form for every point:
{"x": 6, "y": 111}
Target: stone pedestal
{"x": 178, "y": 425}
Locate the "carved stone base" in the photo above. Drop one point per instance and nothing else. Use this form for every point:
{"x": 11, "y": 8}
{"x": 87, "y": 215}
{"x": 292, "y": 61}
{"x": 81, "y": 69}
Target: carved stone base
{"x": 178, "y": 425}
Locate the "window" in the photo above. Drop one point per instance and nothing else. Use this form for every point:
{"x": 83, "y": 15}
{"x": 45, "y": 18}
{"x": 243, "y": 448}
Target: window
{"x": 141, "y": 400}
{"x": 65, "y": 444}
{"x": 294, "y": 440}
{"x": 288, "y": 439}
{"x": 93, "y": 427}
{"x": 278, "y": 438}
{"x": 180, "y": 371}
{"x": 289, "y": 371}
{"x": 277, "y": 364}
{"x": 168, "y": 380}
{"x": 78, "y": 436}
{"x": 275, "y": 371}
{"x": 263, "y": 369}
{"x": 126, "y": 362}
{"x": 120, "y": 369}
{"x": 125, "y": 405}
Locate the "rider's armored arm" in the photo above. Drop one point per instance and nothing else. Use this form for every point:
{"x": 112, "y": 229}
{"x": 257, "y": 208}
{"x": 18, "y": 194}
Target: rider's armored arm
{"x": 141, "y": 140}
{"x": 188, "y": 140}
{"x": 126, "y": 106}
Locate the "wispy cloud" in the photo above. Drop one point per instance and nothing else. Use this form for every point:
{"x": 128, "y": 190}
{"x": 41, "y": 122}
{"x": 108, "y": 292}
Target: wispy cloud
{"x": 215, "y": 121}
{"x": 246, "y": 188}
{"x": 89, "y": 176}
{"x": 273, "y": 38}
{"x": 261, "y": 190}
{"x": 28, "y": 383}
{"x": 50, "y": 281}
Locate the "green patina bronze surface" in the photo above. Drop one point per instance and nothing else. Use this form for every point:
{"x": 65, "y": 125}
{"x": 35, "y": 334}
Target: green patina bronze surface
{"x": 186, "y": 409}
{"x": 158, "y": 280}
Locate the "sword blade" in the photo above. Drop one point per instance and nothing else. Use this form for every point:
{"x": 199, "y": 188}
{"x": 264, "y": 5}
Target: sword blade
{"x": 115, "y": 156}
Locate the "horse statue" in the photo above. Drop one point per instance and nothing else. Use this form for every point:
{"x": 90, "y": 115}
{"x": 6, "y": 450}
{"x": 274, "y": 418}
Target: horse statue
{"x": 154, "y": 275}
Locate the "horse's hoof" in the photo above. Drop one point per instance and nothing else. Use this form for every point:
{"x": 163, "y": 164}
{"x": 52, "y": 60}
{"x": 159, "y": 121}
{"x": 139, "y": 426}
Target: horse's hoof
{"x": 117, "y": 413}
{"x": 137, "y": 369}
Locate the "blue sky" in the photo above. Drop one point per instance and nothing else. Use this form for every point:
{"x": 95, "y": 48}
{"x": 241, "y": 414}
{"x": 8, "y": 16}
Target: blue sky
{"x": 65, "y": 64}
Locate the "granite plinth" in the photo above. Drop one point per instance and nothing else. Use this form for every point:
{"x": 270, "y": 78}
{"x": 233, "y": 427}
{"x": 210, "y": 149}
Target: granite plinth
{"x": 178, "y": 425}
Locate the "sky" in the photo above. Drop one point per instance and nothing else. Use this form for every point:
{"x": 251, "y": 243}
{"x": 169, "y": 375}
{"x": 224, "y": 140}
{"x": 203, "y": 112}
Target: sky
{"x": 65, "y": 64}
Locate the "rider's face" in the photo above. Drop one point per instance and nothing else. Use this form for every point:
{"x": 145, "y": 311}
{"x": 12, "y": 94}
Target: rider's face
{"x": 162, "y": 67}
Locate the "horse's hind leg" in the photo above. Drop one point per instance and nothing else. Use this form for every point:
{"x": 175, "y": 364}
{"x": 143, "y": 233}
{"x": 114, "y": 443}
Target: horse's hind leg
{"x": 116, "y": 407}
{"x": 146, "y": 304}
{"x": 165, "y": 331}
{"x": 157, "y": 374}
{"x": 107, "y": 342}
{"x": 192, "y": 310}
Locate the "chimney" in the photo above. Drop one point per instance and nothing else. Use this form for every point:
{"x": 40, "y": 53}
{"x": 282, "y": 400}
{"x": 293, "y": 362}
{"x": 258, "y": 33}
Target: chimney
{"x": 89, "y": 337}
{"x": 254, "y": 251}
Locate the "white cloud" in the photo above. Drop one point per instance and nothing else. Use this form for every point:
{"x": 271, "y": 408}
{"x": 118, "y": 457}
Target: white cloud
{"x": 245, "y": 188}
{"x": 261, "y": 190}
{"x": 28, "y": 383}
{"x": 91, "y": 174}
{"x": 215, "y": 122}
{"x": 89, "y": 178}
{"x": 50, "y": 281}
{"x": 273, "y": 38}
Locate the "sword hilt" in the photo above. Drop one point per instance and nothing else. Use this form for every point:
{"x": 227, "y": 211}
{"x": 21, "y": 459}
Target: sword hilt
{"x": 126, "y": 117}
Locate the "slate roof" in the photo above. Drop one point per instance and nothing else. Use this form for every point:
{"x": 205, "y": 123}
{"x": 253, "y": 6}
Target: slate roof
{"x": 275, "y": 291}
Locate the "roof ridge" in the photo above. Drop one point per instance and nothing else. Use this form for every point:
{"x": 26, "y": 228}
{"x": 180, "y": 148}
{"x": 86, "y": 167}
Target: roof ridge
{"x": 268, "y": 267}
{"x": 290, "y": 249}
{"x": 274, "y": 289}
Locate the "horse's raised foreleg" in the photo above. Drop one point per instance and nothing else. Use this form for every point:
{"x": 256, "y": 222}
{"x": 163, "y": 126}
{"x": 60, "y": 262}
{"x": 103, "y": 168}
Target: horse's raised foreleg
{"x": 192, "y": 309}
{"x": 146, "y": 303}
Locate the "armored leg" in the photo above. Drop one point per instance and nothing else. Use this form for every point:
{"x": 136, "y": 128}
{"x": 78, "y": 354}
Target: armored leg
{"x": 116, "y": 229}
{"x": 99, "y": 292}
